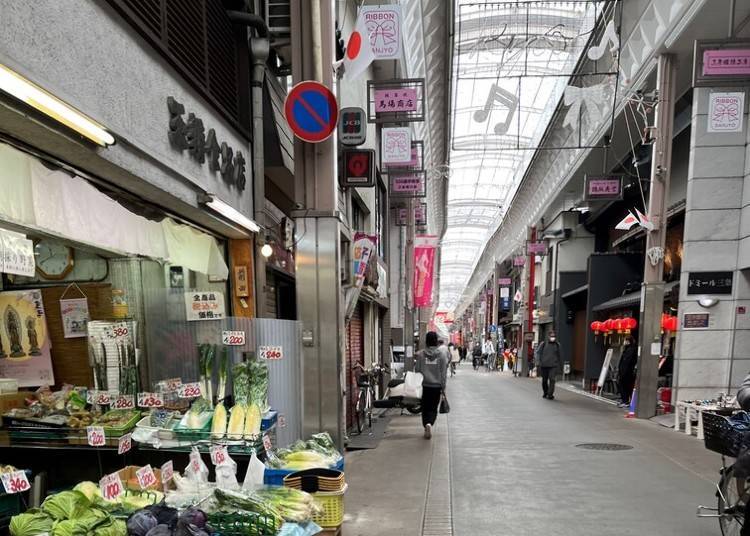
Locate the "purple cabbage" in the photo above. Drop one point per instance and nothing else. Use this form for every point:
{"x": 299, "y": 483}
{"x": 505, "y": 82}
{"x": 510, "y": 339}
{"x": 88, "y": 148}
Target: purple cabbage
{"x": 140, "y": 523}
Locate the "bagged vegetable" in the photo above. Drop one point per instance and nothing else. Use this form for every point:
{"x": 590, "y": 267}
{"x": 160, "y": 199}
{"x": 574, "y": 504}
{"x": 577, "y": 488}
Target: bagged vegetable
{"x": 31, "y": 523}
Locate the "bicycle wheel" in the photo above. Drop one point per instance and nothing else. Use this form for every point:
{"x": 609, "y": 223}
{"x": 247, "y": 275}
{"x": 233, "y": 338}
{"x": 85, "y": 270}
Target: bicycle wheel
{"x": 368, "y": 408}
{"x": 732, "y": 502}
{"x": 359, "y": 411}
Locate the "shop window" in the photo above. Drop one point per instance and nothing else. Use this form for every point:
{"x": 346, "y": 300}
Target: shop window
{"x": 358, "y": 217}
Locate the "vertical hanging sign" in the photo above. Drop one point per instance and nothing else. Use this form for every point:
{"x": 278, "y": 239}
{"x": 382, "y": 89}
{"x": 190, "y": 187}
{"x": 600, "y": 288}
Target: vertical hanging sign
{"x": 424, "y": 265}
{"x": 383, "y": 23}
{"x": 396, "y": 145}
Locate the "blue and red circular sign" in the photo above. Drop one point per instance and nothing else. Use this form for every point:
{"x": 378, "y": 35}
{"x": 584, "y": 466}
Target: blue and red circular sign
{"x": 311, "y": 111}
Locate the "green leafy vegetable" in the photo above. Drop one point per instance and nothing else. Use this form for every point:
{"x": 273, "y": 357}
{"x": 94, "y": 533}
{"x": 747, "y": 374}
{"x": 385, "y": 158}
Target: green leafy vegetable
{"x": 31, "y": 523}
{"x": 66, "y": 505}
{"x": 223, "y": 369}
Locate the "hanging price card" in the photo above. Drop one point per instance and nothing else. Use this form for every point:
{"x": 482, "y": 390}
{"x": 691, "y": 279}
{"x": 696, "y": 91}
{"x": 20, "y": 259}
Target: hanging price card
{"x": 111, "y": 487}
{"x": 150, "y": 400}
{"x": 100, "y": 398}
{"x": 117, "y": 331}
{"x": 125, "y": 444}
{"x": 267, "y": 443}
{"x": 15, "y": 482}
{"x": 172, "y": 384}
{"x": 167, "y": 471}
{"x": 219, "y": 454}
{"x": 233, "y": 338}
{"x": 95, "y": 436}
{"x": 190, "y": 390}
{"x": 195, "y": 461}
{"x": 146, "y": 477}
{"x": 270, "y": 352}
{"x": 282, "y": 420}
{"x": 124, "y": 402}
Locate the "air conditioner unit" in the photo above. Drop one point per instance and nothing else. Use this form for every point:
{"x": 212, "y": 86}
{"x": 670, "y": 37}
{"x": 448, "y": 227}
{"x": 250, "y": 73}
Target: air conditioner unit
{"x": 278, "y": 17}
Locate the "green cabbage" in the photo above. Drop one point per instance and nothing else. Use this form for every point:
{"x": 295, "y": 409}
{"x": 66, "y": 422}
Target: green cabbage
{"x": 90, "y": 490}
{"x": 116, "y": 527}
{"x": 69, "y": 527}
{"x": 66, "y": 505}
{"x": 31, "y": 523}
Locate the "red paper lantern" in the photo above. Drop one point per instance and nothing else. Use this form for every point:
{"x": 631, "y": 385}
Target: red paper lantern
{"x": 619, "y": 325}
{"x": 608, "y": 325}
{"x": 596, "y": 327}
{"x": 630, "y": 324}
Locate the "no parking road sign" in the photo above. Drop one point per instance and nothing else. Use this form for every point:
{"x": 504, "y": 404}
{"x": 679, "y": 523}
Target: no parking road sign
{"x": 311, "y": 111}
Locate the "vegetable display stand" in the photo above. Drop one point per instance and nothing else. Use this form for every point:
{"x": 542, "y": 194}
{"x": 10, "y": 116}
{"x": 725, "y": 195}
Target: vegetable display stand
{"x": 275, "y": 477}
{"x": 130, "y": 480}
{"x": 332, "y": 504}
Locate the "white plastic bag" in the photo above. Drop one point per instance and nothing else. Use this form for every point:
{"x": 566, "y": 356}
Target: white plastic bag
{"x": 196, "y": 471}
{"x": 413, "y": 385}
{"x": 226, "y": 475}
{"x": 254, "y": 475}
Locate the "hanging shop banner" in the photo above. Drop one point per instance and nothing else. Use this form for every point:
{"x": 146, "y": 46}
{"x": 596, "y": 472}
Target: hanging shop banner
{"x": 16, "y": 254}
{"x": 504, "y": 281}
{"x": 726, "y": 111}
{"x": 425, "y": 247}
{"x": 352, "y": 126}
{"x": 536, "y": 248}
{"x": 359, "y": 168}
{"x": 724, "y": 62}
{"x": 519, "y": 261}
{"x": 709, "y": 283}
{"x": 408, "y": 184}
{"x": 24, "y": 339}
{"x": 383, "y": 23}
{"x": 204, "y": 305}
{"x": 364, "y": 245}
{"x": 75, "y": 317}
{"x": 420, "y": 215}
{"x": 396, "y": 145}
{"x": 606, "y": 188}
{"x": 415, "y": 163}
{"x": 398, "y": 100}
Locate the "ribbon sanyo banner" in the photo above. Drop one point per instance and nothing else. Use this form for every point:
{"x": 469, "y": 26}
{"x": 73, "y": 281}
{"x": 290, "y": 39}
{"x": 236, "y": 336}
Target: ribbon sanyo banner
{"x": 425, "y": 247}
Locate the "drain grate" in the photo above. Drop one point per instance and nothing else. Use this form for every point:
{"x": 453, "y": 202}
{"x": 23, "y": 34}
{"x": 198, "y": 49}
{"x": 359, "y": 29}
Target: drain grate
{"x": 604, "y": 446}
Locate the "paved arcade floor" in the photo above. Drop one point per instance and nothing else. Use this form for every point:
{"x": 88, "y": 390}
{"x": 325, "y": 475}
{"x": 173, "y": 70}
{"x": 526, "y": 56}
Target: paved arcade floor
{"x": 514, "y": 469}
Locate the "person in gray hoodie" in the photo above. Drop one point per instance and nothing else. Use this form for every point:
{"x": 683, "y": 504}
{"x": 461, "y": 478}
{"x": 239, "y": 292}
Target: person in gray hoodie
{"x": 433, "y": 364}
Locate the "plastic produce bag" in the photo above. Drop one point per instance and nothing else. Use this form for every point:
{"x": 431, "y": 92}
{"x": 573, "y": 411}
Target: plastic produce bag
{"x": 413, "y": 385}
{"x": 226, "y": 475}
{"x": 254, "y": 475}
{"x": 196, "y": 471}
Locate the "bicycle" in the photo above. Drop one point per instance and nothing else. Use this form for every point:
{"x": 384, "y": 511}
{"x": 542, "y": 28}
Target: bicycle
{"x": 366, "y": 396}
{"x": 732, "y": 492}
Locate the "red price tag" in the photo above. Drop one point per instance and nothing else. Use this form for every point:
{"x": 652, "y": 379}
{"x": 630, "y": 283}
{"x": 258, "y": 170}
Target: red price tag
{"x": 111, "y": 487}
{"x": 146, "y": 477}
{"x": 219, "y": 454}
{"x": 270, "y": 352}
{"x": 125, "y": 444}
{"x": 167, "y": 472}
{"x": 190, "y": 390}
{"x": 124, "y": 402}
{"x": 117, "y": 331}
{"x": 267, "y": 443}
{"x": 150, "y": 400}
{"x": 15, "y": 482}
{"x": 95, "y": 436}
{"x": 102, "y": 398}
{"x": 195, "y": 461}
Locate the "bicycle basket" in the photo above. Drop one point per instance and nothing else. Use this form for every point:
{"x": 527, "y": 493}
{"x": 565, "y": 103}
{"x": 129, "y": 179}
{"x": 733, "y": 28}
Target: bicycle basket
{"x": 725, "y": 435}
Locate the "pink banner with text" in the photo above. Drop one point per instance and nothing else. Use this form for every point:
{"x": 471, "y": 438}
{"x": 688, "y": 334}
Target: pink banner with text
{"x": 425, "y": 247}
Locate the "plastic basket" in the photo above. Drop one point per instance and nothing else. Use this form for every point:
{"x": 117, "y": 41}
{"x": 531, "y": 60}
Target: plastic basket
{"x": 332, "y": 504}
{"x": 314, "y": 480}
{"x": 242, "y": 524}
{"x": 725, "y": 435}
{"x": 275, "y": 477}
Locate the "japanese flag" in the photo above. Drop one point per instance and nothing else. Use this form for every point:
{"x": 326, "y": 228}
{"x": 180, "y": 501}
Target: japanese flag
{"x": 645, "y": 222}
{"x": 627, "y": 222}
{"x": 359, "y": 53}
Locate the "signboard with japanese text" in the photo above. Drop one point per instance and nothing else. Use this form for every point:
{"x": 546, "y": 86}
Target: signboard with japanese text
{"x": 519, "y": 261}
{"x": 710, "y": 283}
{"x": 536, "y": 248}
{"x": 396, "y": 145}
{"x": 233, "y": 338}
{"x": 606, "y": 188}
{"x": 241, "y": 282}
{"x": 408, "y": 184}
{"x": 384, "y": 24}
{"x": 359, "y": 168}
{"x": 726, "y": 111}
{"x": 352, "y": 126}
{"x": 415, "y": 163}
{"x": 504, "y": 281}
{"x": 204, "y": 305}
{"x": 16, "y": 254}
{"x": 396, "y": 100}
{"x": 270, "y": 352}
{"x": 695, "y": 320}
{"x": 724, "y": 62}
{"x": 399, "y": 100}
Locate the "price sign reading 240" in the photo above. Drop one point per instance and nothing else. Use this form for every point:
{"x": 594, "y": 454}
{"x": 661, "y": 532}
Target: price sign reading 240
{"x": 270, "y": 352}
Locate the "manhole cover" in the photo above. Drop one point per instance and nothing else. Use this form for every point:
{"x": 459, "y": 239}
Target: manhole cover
{"x": 603, "y": 446}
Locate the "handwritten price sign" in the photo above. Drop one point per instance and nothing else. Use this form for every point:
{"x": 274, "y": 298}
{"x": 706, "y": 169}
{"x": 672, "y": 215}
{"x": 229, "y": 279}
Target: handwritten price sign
{"x": 15, "y": 482}
{"x": 99, "y": 398}
{"x": 118, "y": 331}
{"x": 146, "y": 477}
{"x": 150, "y": 400}
{"x": 282, "y": 420}
{"x": 95, "y": 436}
{"x": 270, "y": 352}
{"x": 233, "y": 338}
{"x": 219, "y": 454}
{"x": 267, "y": 443}
{"x": 190, "y": 390}
{"x": 195, "y": 461}
{"x": 124, "y": 402}
{"x": 172, "y": 384}
{"x": 111, "y": 487}
{"x": 167, "y": 471}
{"x": 125, "y": 444}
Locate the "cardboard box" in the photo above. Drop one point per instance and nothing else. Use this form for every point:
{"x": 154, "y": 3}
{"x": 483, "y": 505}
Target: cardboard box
{"x": 130, "y": 481}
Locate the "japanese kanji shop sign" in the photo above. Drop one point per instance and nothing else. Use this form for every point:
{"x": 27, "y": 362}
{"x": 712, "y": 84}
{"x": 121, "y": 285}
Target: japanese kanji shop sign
{"x": 719, "y": 63}
{"x": 359, "y": 168}
{"x": 408, "y": 184}
{"x": 204, "y": 305}
{"x": 396, "y": 100}
{"x": 607, "y": 188}
{"x": 352, "y": 126}
{"x": 536, "y": 248}
{"x": 420, "y": 215}
{"x": 384, "y": 26}
{"x": 202, "y": 146}
{"x": 710, "y": 282}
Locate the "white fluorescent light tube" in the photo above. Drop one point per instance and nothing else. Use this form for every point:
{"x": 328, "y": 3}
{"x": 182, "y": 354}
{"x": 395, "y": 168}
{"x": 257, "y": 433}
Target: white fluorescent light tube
{"x": 25, "y": 91}
{"x": 230, "y": 213}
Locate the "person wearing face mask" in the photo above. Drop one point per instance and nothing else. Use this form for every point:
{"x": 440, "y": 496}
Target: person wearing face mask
{"x": 549, "y": 360}
{"x": 626, "y": 370}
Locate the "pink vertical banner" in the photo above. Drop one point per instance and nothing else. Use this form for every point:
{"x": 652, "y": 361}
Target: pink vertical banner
{"x": 425, "y": 247}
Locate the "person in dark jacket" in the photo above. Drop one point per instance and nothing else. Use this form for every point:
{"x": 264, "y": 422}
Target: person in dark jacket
{"x": 549, "y": 359}
{"x": 626, "y": 370}
{"x": 432, "y": 362}
{"x": 476, "y": 355}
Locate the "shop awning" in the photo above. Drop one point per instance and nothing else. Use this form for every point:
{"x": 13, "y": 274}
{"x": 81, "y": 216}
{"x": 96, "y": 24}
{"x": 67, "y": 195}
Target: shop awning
{"x": 575, "y": 291}
{"x": 629, "y": 300}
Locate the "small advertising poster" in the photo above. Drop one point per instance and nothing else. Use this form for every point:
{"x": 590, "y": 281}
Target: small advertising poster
{"x": 75, "y": 317}
{"x": 16, "y": 254}
{"x": 383, "y": 22}
{"x": 204, "y": 305}
{"x": 24, "y": 339}
{"x": 396, "y": 145}
{"x": 726, "y": 111}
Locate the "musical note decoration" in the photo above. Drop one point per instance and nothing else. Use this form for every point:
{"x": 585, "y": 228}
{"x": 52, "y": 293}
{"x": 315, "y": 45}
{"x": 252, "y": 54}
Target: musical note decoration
{"x": 501, "y": 96}
{"x": 609, "y": 36}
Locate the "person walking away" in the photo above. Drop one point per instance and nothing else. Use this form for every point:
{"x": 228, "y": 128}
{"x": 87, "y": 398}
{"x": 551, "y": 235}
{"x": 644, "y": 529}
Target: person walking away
{"x": 626, "y": 371}
{"x": 455, "y": 358}
{"x": 433, "y": 365}
{"x": 549, "y": 360}
{"x": 488, "y": 349}
{"x": 462, "y": 351}
{"x": 476, "y": 355}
